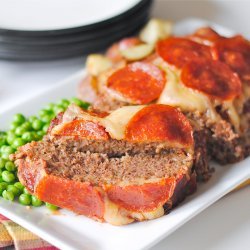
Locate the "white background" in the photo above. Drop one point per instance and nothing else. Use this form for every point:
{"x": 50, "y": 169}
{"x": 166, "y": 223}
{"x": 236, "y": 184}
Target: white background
{"x": 224, "y": 225}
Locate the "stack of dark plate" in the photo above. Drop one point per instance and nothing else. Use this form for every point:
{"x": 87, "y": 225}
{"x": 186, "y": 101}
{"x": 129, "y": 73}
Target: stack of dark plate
{"x": 42, "y": 30}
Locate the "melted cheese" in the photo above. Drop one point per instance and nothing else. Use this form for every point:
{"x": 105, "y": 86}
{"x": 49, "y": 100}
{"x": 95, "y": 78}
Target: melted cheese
{"x": 178, "y": 95}
{"x": 116, "y": 122}
{"x": 117, "y": 216}
{"x": 239, "y": 106}
{"x": 140, "y": 216}
{"x": 75, "y": 112}
{"x": 114, "y": 215}
{"x": 232, "y": 113}
{"x": 187, "y": 99}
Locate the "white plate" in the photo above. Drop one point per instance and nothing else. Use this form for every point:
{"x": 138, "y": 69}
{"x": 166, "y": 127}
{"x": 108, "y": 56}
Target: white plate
{"x": 69, "y": 231}
{"x": 37, "y": 15}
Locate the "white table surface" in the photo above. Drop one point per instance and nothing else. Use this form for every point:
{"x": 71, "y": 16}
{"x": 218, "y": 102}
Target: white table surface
{"x": 224, "y": 225}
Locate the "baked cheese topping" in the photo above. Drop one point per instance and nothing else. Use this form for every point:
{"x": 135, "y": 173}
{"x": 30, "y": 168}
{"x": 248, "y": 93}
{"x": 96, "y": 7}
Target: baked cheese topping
{"x": 115, "y": 123}
{"x": 153, "y": 123}
{"x": 118, "y": 216}
{"x": 178, "y": 95}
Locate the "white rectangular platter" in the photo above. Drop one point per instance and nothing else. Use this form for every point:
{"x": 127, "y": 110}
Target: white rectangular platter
{"x": 70, "y": 231}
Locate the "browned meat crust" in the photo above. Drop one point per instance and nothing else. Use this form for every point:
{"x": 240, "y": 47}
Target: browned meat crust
{"x": 201, "y": 158}
{"x": 183, "y": 188}
{"x": 226, "y": 146}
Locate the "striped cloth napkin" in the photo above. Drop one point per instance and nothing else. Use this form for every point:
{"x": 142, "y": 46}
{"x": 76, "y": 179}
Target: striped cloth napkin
{"x": 13, "y": 235}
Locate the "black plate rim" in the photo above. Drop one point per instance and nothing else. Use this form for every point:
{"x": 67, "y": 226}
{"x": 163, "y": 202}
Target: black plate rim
{"x": 80, "y": 37}
{"x": 80, "y": 51}
{"x": 101, "y": 24}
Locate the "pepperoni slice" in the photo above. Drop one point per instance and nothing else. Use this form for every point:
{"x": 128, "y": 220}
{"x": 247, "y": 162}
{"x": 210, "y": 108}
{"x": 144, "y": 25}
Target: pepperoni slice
{"x": 206, "y": 35}
{"x": 179, "y": 51}
{"x": 140, "y": 82}
{"x": 113, "y": 52}
{"x": 82, "y": 128}
{"x": 142, "y": 198}
{"x": 29, "y": 173}
{"x": 213, "y": 78}
{"x": 235, "y": 52}
{"x": 56, "y": 121}
{"x": 160, "y": 122}
{"x": 79, "y": 197}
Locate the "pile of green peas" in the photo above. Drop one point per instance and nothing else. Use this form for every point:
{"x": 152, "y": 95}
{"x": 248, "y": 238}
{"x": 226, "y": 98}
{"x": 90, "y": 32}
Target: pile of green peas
{"x": 24, "y": 130}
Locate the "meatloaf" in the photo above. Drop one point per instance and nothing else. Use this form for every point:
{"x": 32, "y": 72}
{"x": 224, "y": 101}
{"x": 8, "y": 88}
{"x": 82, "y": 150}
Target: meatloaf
{"x": 130, "y": 165}
{"x": 203, "y": 74}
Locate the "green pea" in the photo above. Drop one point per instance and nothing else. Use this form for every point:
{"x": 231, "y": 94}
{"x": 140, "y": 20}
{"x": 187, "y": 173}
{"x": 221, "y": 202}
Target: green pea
{"x": 80, "y": 103}
{"x": 27, "y": 126}
{"x": 10, "y": 166}
{"x": 19, "y": 118}
{"x": 32, "y": 118}
{"x": 40, "y": 134}
{"x": 14, "y": 125}
{"x": 25, "y": 191}
{"x": 64, "y": 103}
{"x": 36, "y": 137}
{"x": 19, "y": 186}
{"x": 11, "y": 137}
{"x": 51, "y": 206}
{"x": 8, "y": 195}
{"x": 45, "y": 128}
{"x": 2, "y": 163}
{"x": 3, "y": 148}
{"x": 7, "y": 150}
{"x": 47, "y": 118}
{"x": 58, "y": 109}
{"x": 18, "y": 142}
{"x": 3, "y": 186}
{"x": 76, "y": 101}
{"x": 8, "y": 176}
{"x": 25, "y": 199}
{"x": 36, "y": 202}
{"x": 44, "y": 112}
{"x": 37, "y": 125}
{"x": 85, "y": 105}
{"x": 14, "y": 190}
{"x": 3, "y": 140}
{"x": 27, "y": 136}
{"x": 5, "y": 156}
{"x": 20, "y": 131}
{"x": 16, "y": 175}
{"x": 50, "y": 106}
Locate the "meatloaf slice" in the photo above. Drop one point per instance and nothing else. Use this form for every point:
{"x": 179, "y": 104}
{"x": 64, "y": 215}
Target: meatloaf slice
{"x": 109, "y": 179}
{"x": 223, "y": 112}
